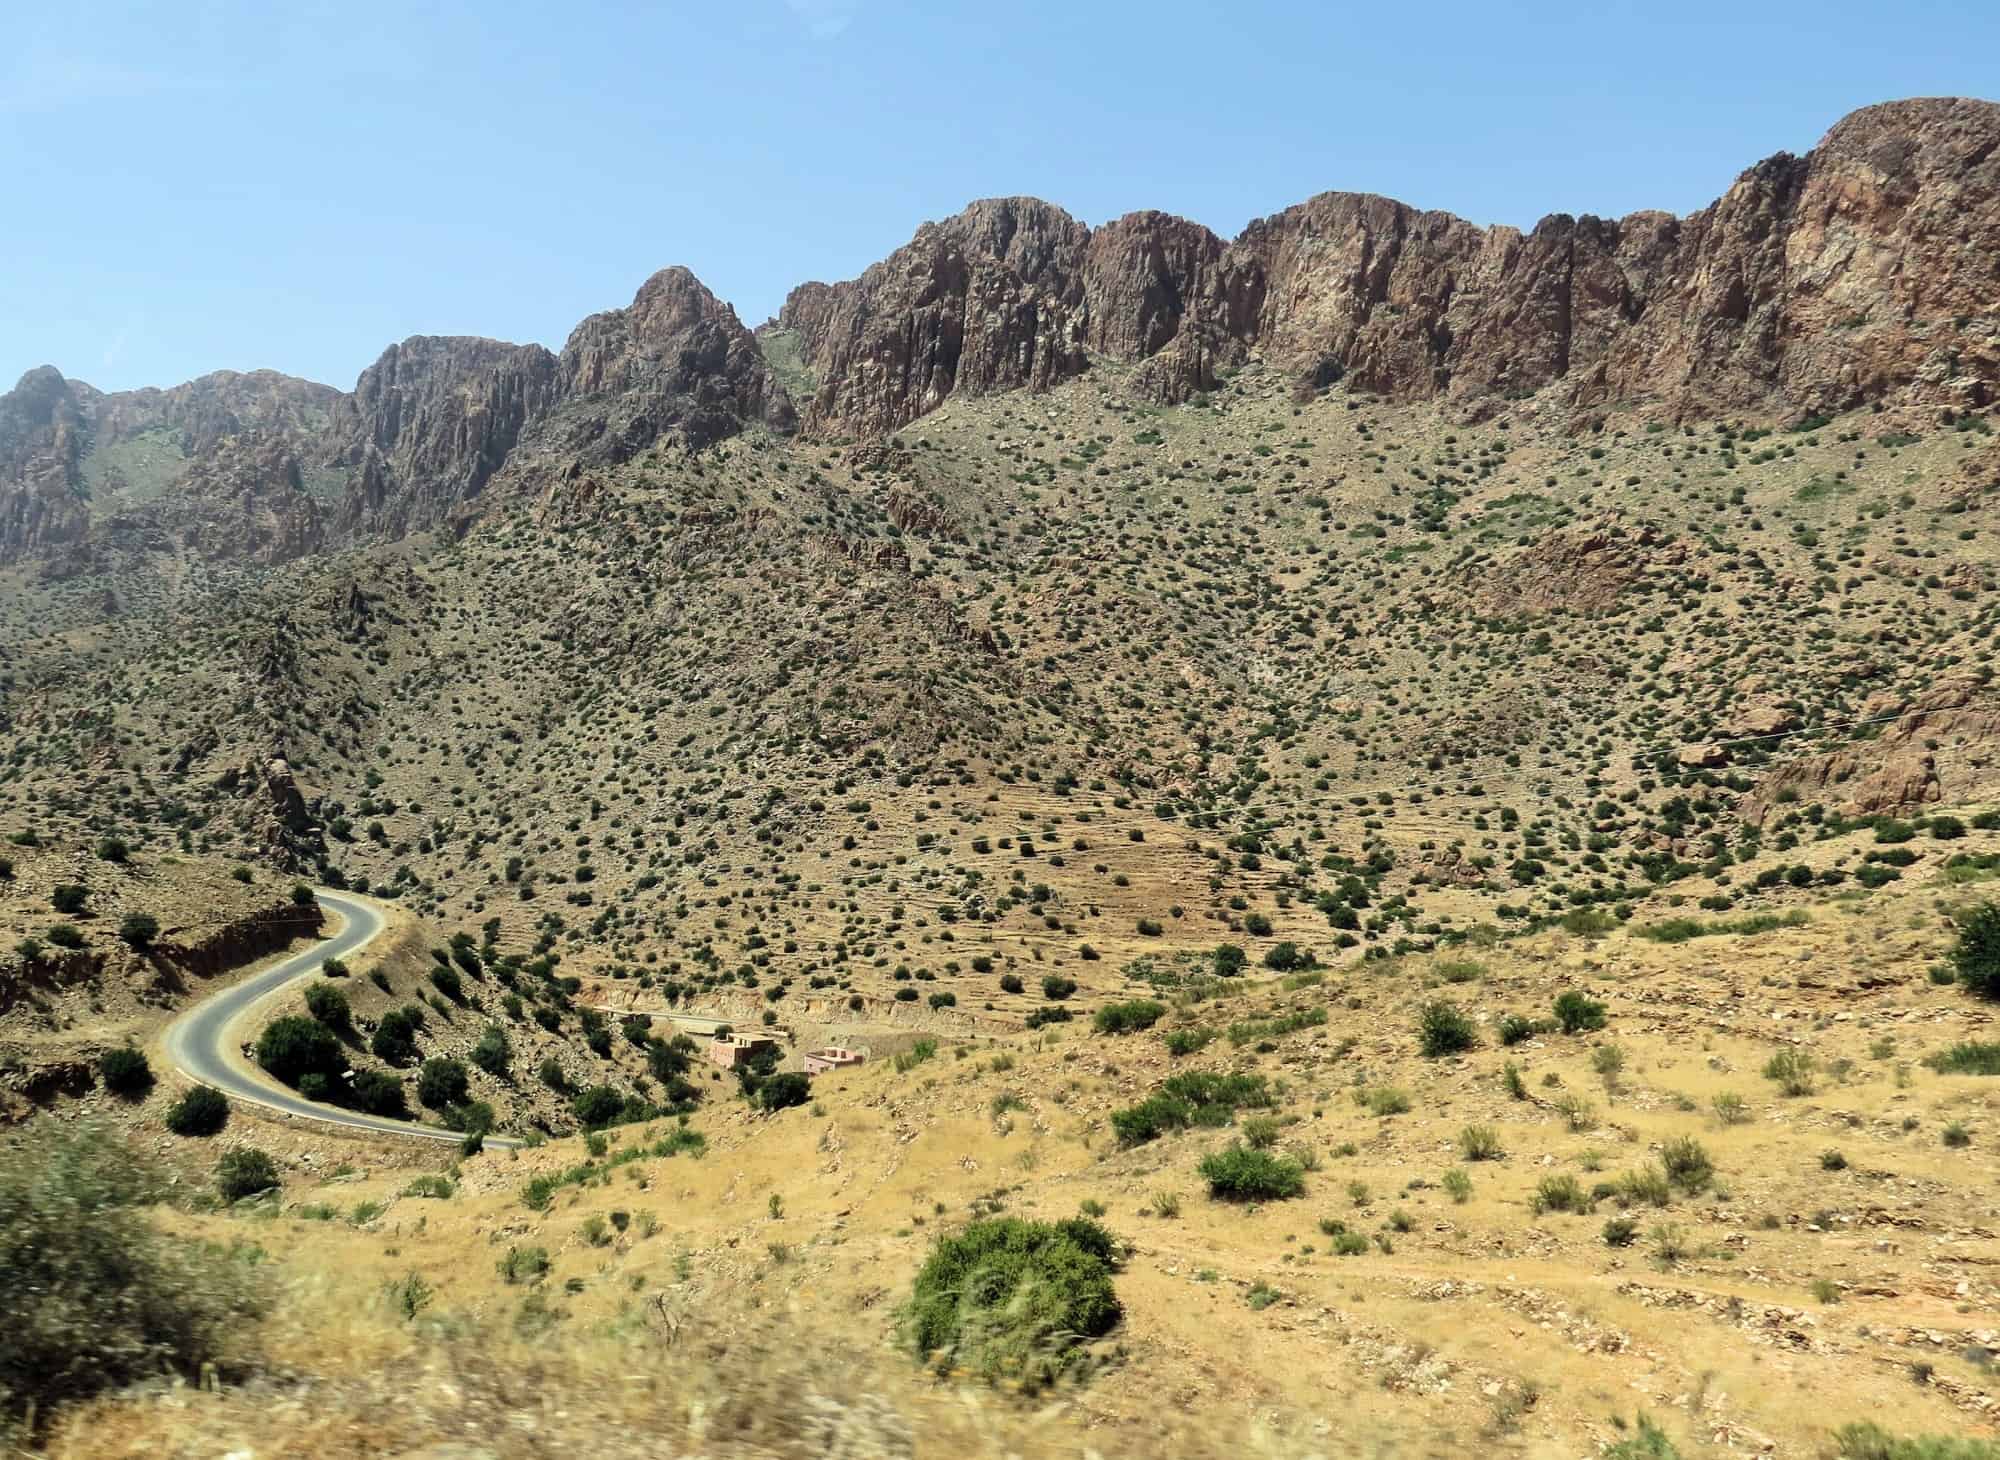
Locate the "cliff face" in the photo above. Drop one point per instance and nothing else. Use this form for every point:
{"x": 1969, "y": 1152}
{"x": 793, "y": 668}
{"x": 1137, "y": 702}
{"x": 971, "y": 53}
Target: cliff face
{"x": 1866, "y": 268}
{"x": 428, "y": 425}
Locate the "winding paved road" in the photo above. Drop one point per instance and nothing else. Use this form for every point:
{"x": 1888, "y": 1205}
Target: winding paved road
{"x": 201, "y": 1045}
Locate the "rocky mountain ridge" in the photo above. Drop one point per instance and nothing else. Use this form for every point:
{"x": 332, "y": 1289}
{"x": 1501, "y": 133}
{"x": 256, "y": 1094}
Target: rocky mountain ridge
{"x": 1816, "y": 283}
{"x": 1865, "y": 271}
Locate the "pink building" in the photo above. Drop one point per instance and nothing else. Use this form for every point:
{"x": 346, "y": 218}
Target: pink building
{"x": 732, "y": 1051}
{"x": 833, "y": 1057}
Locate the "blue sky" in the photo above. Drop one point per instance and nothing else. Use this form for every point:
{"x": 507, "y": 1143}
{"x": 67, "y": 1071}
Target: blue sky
{"x": 297, "y": 183}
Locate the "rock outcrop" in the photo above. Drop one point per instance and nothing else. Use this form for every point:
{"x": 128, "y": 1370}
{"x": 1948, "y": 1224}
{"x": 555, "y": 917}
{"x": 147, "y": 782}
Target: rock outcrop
{"x": 677, "y": 362}
{"x": 215, "y": 464}
{"x": 1866, "y": 269}
{"x": 428, "y": 425}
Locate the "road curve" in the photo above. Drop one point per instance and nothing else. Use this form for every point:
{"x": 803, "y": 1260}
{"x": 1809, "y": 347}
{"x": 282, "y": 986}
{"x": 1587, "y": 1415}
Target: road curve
{"x": 198, "y": 1042}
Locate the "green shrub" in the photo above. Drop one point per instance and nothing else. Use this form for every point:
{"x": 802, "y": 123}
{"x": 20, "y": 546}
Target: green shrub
{"x": 600, "y": 1105}
{"x": 1793, "y": 1071}
{"x": 1196, "y": 1098}
{"x": 1480, "y": 1143}
{"x": 524, "y": 1264}
{"x": 1443, "y": 1028}
{"x": 328, "y": 1005}
{"x": 1648, "y": 1442}
{"x": 138, "y": 930}
{"x": 493, "y": 1051}
{"x": 1577, "y": 1012}
{"x": 1188, "y": 1041}
{"x": 1243, "y": 1174}
{"x": 442, "y": 1083}
{"x": 1975, "y": 955}
{"x": 1013, "y": 1300}
{"x": 1872, "y": 1442}
{"x": 96, "y": 1298}
{"x": 293, "y": 1047}
{"x": 69, "y": 898}
{"x": 1560, "y": 1194}
{"x": 243, "y": 1172}
{"x": 200, "y": 1112}
{"x": 1687, "y": 1164}
{"x": 1970, "y": 1058}
{"x": 783, "y": 1091}
{"x": 1127, "y": 1017}
{"x": 395, "y": 1039}
{"x": 125, "y": 1072}
{"x": 378, "y": 1094}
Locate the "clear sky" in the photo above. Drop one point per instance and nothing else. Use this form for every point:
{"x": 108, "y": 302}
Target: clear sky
{"x": 297, "y": 183}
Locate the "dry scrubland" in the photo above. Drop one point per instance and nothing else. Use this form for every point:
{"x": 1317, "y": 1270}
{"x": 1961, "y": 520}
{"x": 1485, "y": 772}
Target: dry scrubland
{"x": 946, "y": 745}
{"x": 1761, "y": 1252}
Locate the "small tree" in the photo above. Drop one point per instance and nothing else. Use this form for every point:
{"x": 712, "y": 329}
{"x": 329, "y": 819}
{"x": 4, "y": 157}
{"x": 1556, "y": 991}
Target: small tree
{"x": 493, "y": 1051}
{"x": 125, "y": 1073}
{"x": 68, "y": 897}
{"x": 111, "y": 849}
{"x": 1443, "y": 1028}
{"x": 328, "y": 1005}
{"x": 441, "y": 1083}
{"x": 1976, "y": 954}
{"x": 243, "y": 1172}
{"x": 781, "y": 1092}
{"x": 1578, "y": 1013}
{"x": 200, "y": 1112}
{"x": 139, "y": 930}
{"x": 293, "y": 1047}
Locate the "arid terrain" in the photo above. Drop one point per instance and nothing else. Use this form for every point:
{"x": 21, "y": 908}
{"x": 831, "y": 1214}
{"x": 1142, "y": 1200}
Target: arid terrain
{"x": 1053, "y": 664}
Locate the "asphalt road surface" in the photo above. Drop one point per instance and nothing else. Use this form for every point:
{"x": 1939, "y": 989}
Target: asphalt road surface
{"x": 198, "y": 1042}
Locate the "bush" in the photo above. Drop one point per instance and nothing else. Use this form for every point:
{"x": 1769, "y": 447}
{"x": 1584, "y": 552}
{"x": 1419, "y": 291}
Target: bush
{"x": 112, "y": 849}
{"x": 138, "y": 930}
{"x": 1578, "y": 1013}
{"x": 69, "y": 898}
{"x": 1974, "y": 1057}
{"x": 1560, "y": 1194}
{"x": 96, "y": 1298}
{"x": 125, "y": 1073}
{"x": 65, "y": 935}
{"x": 1443, "y": 1028}
{"x": 493, "y": 1052}
{"x": 442, "y": 1083}
{"x": 200, "y": 1112}
{"x": 378, "y": 1094}
{"x": 1792, "y": 1069}
{"x": 1480, "y": 1143}
{"x": 1195, "y": 1098}
{"x": 395, "y": 1041}
{"x": 1872, "y": 1442}
{"x": 1013, "y": 1300}
{"x": 782, "y": 1092}
{"x": 1126, "y": 1017}
{"x": 243, "y": 1172}
{"x": 600, "y": 1105}
{"x": 1055, "y": 986}
{"x": 293, "y": 1047}
{"x": 1976, "y": 953}
{"x": 328, "y": 1005}
{"x": 1243, "y": 1174}
{"x": 1687, "y": 1163}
